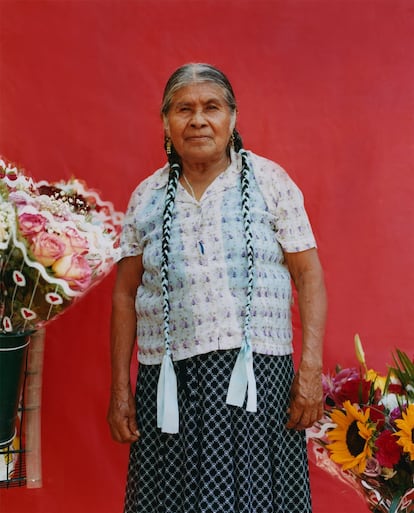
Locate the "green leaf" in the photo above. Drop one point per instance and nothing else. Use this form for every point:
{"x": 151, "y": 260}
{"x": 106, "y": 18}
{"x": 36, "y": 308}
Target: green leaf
{"x": 406, "y": 363}
{"x": 403, "y": 369}
{"x": 394, "y": 503}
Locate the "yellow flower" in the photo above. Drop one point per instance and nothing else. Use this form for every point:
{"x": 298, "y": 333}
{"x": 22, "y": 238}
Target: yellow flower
{"x": 406, "y": 433}
{"x": 388, "y": 473}
{"x": 350, "y": 439}
{"x": 377, "y": 379}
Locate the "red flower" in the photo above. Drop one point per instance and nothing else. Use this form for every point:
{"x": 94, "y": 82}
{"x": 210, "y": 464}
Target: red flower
{"x": 395, "y": 388}
{"x": 377, "y": 415}
{"x": 355, "y": 390}
{"x": 388, "y": 451}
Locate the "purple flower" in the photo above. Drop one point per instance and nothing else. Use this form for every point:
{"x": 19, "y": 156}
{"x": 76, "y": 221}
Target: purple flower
{"x": 396, "y": 412}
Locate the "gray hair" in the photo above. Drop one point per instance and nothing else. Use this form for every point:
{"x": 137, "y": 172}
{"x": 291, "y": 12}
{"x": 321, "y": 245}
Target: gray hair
{"x": 192, "y": 73}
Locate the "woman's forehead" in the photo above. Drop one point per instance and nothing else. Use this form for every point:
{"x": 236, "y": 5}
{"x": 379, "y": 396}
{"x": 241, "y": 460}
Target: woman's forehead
{"x": 199, "y": 91}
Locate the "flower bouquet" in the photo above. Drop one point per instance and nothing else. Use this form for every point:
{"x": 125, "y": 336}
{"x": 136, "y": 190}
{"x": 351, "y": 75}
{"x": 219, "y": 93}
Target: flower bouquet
{"x": 366, "y": 436}
{"x": 57, "y": 240}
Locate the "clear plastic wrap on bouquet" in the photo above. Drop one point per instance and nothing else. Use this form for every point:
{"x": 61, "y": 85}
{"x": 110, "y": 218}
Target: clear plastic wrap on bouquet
{"x": 320, "y": 456}
{"x": 365, "y": 438}
{"x": 369, "y": 489}
{"x": 57, "y": 240}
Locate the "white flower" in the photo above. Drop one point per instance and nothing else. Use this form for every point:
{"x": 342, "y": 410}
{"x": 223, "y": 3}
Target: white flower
{"x": 6, "y": 219}
{"x": 391, "y": 401}
{"x": 410, "y": 389}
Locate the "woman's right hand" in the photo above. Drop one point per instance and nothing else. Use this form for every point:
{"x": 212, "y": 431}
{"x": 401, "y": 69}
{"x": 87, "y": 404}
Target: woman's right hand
{"x": 122, "y": 416}
{"x": 122, "y": 412}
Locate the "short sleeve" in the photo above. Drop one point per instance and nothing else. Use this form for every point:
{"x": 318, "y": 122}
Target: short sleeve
{"x": 130, "y": 242}
{"x": 285, "y": 202}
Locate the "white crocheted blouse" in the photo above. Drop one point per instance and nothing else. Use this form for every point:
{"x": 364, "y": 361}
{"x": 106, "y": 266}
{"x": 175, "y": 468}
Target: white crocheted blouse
{"x": 207, "y": 262}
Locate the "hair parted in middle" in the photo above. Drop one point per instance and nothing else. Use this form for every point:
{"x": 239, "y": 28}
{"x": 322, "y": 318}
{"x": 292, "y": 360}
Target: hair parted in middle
{"x": 193, "y": 73}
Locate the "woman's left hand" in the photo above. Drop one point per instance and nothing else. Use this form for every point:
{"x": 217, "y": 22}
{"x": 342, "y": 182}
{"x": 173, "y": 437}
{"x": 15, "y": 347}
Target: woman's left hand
{"x": 306, "y": 391}
{"x": 305, "y": 399}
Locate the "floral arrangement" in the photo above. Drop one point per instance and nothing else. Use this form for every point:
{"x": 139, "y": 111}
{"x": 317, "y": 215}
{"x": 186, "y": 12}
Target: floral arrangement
{"x": 366, "y": 436}
{"x": 57, "y": 240}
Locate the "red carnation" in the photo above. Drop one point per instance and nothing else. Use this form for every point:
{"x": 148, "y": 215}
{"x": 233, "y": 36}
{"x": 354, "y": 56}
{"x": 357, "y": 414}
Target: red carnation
{"x": 388, "y": 451}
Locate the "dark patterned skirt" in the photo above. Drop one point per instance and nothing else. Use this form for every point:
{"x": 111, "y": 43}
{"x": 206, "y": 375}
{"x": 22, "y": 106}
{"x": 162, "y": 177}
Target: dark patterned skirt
{"x": 224, "y": 459}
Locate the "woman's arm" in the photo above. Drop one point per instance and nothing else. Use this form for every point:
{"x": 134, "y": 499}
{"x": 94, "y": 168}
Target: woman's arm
{"x": 306, "y": 392}
{"x": 122, "y": 413}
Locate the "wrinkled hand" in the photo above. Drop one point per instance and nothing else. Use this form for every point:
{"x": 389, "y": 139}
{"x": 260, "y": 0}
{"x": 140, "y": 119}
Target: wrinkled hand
{"x": 122, "y": 417}
{"x": 306, "y": 396}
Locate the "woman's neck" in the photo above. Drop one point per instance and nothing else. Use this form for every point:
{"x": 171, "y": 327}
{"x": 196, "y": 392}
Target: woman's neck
{"x": 199, "y": 175}
{"x": 205, "y": 171}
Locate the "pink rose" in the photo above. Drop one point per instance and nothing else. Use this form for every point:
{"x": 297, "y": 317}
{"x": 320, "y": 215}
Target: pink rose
{"x": 74, "y": 242}
{"x": 31, "y": 224}
{"x": 372, "y": 468}
{"x": 75, "y": 270}
{"x": 47, "y": 248}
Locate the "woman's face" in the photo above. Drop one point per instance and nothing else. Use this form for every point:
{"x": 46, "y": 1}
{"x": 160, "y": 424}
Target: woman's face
{"x": 200, "y": 123}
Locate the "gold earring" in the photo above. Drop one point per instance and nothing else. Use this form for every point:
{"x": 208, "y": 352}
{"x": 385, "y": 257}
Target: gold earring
{"x": 168, "y": 145}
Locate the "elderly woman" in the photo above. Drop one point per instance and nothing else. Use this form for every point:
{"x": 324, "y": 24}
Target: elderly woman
{"x": 209, "y": 246}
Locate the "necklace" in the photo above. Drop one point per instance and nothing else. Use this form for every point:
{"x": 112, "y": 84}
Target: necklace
{"x": 189, "y": 186}
{"x": 200, "y": 243}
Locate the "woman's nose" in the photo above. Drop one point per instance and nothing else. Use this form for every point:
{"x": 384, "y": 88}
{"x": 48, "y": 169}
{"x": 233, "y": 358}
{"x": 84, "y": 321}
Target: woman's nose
{"x": 198, "y": 119}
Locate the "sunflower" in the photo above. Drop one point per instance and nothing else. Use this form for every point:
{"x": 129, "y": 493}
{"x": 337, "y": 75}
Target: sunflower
{"x": 350, "y": 439}
{"x": 406, "y": 433}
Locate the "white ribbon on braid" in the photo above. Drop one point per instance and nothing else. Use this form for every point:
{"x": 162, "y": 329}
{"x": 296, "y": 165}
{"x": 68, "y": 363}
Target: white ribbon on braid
{"x": 242, "y": 379}
{"x": 167, "y": 397}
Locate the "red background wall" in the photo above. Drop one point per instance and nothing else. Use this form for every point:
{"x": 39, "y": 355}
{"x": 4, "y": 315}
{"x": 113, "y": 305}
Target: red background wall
{"x": 325, "y": 88}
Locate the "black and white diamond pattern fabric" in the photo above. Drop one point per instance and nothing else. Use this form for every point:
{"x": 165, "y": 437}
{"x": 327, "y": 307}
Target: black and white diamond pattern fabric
{"x": 224, "y": 459}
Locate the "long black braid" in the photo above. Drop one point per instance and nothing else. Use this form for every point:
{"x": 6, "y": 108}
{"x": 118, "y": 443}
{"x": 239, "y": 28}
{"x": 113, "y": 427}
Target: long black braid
{"x": 173, "y": 177}
{"x": 245, "y": 190}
